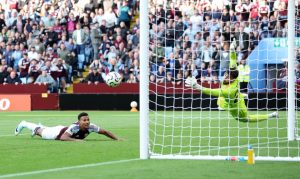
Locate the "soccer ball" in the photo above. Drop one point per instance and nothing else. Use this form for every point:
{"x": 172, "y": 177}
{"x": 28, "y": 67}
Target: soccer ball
{"x": 113, "y": 79}
{"x": 133, "y": 104}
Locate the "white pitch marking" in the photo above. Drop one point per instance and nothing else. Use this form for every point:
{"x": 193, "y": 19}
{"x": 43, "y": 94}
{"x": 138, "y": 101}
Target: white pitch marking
{"x": 38, "y": 115}
{"x": 232, "y": 147}
{"x": 66, "y": 168}
{"x": 60, "y": 115}
{"x": 12, "y": 135}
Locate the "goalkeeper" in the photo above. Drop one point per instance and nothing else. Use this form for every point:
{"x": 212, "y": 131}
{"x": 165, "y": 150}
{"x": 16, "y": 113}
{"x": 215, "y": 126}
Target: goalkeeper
{"x": 229, "y": 97}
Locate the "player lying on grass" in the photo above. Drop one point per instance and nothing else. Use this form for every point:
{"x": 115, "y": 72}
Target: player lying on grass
{"x": 75, "y": 132}
{"x": 229, "y": 96}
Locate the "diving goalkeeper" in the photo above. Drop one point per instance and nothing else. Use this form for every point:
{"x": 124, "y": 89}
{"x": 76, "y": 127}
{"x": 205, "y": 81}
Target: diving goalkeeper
{"x": 229, "y": 96}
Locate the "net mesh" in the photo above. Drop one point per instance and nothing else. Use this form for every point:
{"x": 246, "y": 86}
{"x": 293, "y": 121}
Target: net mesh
{"x": 192, "y": 38}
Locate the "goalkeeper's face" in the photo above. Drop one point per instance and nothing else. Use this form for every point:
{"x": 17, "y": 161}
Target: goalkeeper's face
{"x": 228, "y": 79}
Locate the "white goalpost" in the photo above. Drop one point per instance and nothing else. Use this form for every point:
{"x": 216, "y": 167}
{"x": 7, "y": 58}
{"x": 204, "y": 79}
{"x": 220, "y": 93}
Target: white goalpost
{"x": 291, "y": 72}
{"x": 177, "y": 122}
{"x": 144, "y": 82}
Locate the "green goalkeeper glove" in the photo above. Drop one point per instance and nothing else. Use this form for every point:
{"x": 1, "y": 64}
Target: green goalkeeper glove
{"x": 192, "y": 83}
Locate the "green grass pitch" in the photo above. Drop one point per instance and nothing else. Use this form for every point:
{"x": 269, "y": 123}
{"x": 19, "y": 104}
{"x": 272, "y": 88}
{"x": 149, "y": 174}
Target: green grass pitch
{"x": 99, "y": 157}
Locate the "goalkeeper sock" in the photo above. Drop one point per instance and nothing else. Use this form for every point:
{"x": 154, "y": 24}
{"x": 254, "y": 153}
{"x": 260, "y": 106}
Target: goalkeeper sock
{"x": 257, "y": 117}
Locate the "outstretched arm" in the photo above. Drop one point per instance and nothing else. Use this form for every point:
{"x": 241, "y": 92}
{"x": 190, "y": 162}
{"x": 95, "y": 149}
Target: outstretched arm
{"x": 192, "y": 82}
{"x": 107, "y": 134}
{"x": 227, "y": 93}
{"x": 232, "y": 56}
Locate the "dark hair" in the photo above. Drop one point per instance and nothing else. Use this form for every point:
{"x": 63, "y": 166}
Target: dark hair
{"x": 82, "y": 114}
{"x": 233, "y": 73}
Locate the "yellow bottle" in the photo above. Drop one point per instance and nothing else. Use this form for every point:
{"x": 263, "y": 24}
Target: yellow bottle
{"x": 251, "y": 155}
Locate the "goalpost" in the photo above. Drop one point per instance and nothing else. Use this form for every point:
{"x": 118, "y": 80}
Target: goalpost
{"x": 179, "y": 123}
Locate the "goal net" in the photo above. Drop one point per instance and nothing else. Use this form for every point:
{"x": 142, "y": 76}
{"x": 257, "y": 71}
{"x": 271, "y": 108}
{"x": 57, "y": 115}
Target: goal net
{"x": 193, "y": 38}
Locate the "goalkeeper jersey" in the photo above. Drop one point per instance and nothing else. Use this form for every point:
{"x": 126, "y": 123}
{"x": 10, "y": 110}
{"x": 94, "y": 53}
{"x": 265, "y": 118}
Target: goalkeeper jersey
{"x": 230, "y": 92}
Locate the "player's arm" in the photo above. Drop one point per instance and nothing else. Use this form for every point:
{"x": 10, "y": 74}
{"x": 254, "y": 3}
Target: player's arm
{"x": 213, "y": 92}
{"x": 107, "y": 134}
{"x": 232, "y": 55}
{"x": 229, "y": 92}
{"x": 68, "y": 137}
{"x": 192, "y": 82}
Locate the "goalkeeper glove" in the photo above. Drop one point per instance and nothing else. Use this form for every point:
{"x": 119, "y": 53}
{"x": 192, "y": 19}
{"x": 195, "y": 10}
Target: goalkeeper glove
{"x": 233, "y": 46}
{"x": 192, "y": 82}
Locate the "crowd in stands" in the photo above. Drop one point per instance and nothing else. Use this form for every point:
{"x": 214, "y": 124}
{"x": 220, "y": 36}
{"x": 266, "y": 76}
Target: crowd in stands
{"x": 54, "y": 41}
{"x": 197, "y": 34}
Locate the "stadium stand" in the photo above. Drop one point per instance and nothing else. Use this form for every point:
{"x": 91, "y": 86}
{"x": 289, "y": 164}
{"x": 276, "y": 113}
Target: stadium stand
{"x": 69, "y": 37}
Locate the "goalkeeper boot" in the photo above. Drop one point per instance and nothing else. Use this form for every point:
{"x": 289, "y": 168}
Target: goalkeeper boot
{"x": 274, "y": 115}
{"x": 220, "y": 109}
{"x": 19, "y": 128}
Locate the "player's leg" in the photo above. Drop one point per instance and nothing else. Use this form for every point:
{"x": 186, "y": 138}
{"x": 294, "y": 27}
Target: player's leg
{"x": 243, "y": 115}
{"x": 38, "y": 131}
{"x": 28, "y": 125}
{"x": 239, "y": 112}
{"x": 51, "y": 133}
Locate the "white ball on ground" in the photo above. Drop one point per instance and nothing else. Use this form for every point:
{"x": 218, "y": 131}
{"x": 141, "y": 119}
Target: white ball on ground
{"x": 133, "y": 104}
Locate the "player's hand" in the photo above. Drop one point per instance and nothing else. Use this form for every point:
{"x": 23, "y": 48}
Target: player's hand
{"x": 233, "y": 46}
{"x": 192, "y": 83}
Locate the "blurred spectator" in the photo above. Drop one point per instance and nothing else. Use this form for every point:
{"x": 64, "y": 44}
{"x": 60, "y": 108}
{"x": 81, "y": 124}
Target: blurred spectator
{"x": 135, "y": 68}
{"x": 244, "y": 76}
{"x": 60, "y": 74}
{"x": 182, "y": 35}
{"x": 152, "y": 78}
{"x": 126, "y": 74}
{"x": 32, "y": 54}
{"x": 124, "y": 13}
{"x": 172, "y": 65}
{"x": 79, "y": 38}
{"x": 38, "y": 46}
{"x": 62, "y": 52}
{"x": 46, "y": 79}
{"x": 282, "y": 77}
{"x": 24, "y": 64}
{"x": 94, "y": 77}
{"x": 96, "y": 64}
{"x": 3, "y": 74}
{"x": 161, "y": 75}
{"x": 242, "y": 39}
{"x": 13, "y": 78}
{"x": 179, "y": 79}
{"x": 224, "y": 59}
{"x": 110, "y": 18}
{"x": 298, "y": 73}
{"x": 95, "y": 39}
{"x": 16, "y": 56}
{"x": 132, "y": 78}
{"x": 52, "y": 36}
{"x": 33, "y": 71}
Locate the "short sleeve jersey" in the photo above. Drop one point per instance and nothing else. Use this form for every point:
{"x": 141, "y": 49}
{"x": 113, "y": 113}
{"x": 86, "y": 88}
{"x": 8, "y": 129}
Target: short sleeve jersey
{"x": 77, "y": 133}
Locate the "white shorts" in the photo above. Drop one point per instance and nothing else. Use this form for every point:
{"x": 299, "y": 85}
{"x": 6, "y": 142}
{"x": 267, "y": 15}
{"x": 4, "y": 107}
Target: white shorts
{"x": 50, "y": 133}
